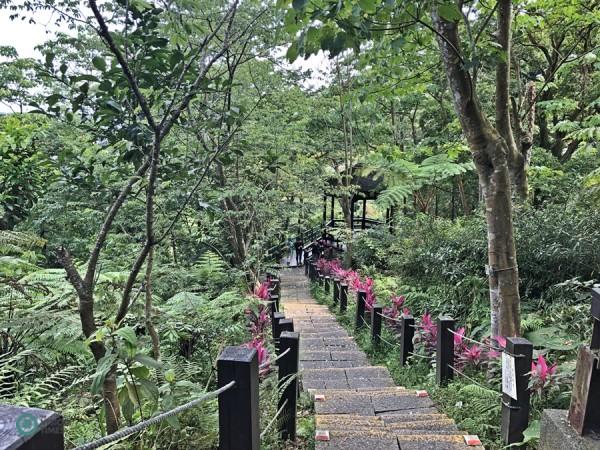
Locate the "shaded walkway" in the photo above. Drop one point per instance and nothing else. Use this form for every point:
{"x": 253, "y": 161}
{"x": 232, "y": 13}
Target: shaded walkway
{"x": 356, "y": 403}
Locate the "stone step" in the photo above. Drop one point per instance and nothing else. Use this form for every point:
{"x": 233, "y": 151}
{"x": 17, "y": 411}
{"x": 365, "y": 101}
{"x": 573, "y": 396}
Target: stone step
{"x": 431, "y": 422}
{"x": 356, "y": 372}
{"x": 376, "y": 439}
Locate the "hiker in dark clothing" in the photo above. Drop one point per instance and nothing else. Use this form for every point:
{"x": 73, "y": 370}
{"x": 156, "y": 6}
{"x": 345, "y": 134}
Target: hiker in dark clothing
{"x": 299, "y": 246}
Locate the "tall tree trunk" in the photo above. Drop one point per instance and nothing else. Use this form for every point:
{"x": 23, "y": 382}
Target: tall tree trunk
{"x": 516, "y": 160}
{"x": 148, "y": 307}
{"x": 491, "y": 156}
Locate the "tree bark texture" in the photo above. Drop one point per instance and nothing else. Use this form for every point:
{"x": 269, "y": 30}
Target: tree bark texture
{"x": 491, "y": 156}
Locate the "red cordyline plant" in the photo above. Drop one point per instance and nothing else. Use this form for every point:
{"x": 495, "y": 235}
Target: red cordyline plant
{"x": 261, "y": 290}
{"x": 542, "y": 375}
{"x": 261, "y": 350}
{"x": 367, "y": 286}
{"x": 395, "y": 310}
{"x": 257, "y": 321}
{"x": 466, "y": 355}
{"x": 328, "y": 267}
{"x": 427, "y": 334}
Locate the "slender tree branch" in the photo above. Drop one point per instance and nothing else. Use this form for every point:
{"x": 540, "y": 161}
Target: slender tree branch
{"x": 106, "y": 36}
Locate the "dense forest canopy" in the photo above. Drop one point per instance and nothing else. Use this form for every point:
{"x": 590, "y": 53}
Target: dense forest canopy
{"x": 156, "y": 157}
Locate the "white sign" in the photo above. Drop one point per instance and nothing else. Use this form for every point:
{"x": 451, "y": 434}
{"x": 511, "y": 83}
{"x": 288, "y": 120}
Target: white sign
{"x": 509, "y": 376}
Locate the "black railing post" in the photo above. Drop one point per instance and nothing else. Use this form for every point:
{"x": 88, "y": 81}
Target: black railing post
{"x": 288, "y": 377}
{"x": 360, "y": 309}
{"x": 286, "y": 325}
{"x": 30, "y": 428}
{"x": 306, "y": 262}
{"x": 516, "y": 364}
{"x": 445, "y": 350}
{"x": 336, "y": 290}
{"x": 343, "y": 297}
{"x": 273, "y": 304}
{"x": 321, "y": 279}
{"x": 327, "y": 280}
{"x": 239, "y": 427}
{"x": 406, "y": 340}
{"x": 376, "y": 312}
{"x": 277, "y": 317}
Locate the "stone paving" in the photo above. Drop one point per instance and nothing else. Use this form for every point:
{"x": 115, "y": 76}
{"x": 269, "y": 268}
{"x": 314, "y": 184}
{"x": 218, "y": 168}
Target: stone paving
{"x": 357, "y": 405}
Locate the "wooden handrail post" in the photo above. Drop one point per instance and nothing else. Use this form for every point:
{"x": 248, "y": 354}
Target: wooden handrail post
{"x": 343, "y": 297}
{"x": 288, "y": 377}
{"x": 336, "y": 290}
{"x": 406, "y": 341}
{"x": 445, "y": 350}
{"x": 516, "y": 364}
{"x": 376, "y": 324}
{"x": 359, "y": 321}
{"x": 239, "y": 427}
{"x": 327, "y": 281}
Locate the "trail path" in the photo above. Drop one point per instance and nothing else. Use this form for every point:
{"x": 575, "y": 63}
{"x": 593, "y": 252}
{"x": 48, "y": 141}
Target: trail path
{"x": 355, "y": 402}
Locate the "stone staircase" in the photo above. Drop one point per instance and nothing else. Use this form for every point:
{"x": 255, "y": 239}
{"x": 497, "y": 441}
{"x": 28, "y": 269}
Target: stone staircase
{"x": 357, "y": 405}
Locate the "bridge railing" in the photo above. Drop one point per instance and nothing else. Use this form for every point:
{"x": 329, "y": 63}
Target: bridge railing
{"x": 238, "y": 376}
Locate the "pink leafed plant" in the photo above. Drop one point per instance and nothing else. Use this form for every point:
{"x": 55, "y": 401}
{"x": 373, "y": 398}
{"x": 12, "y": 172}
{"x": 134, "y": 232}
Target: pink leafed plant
{"x": 257, "y": 321}
{"x": 495, "y": 352}
{"x": 427, "y": 334}
{"x": 367, "y": 286}
{"x": 471, "y": 356}
{"x": 261, "y": 290}
{"x": 395, "y": 310}
{"x": 261, "y": 350}
{"x": 328, "y": 267}
{"x": 542, "y": 375}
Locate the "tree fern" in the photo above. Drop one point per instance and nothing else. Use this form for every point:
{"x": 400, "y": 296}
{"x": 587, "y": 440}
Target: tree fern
{"x": 15, "y": 242}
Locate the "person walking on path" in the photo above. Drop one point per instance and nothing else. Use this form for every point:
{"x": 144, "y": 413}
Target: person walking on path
{"x": 299, "y": 246}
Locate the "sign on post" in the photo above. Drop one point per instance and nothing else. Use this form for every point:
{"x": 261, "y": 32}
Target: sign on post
{"x": 509, "y": 376}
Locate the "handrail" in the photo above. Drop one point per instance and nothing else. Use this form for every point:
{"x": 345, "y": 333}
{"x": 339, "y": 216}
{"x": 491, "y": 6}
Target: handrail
{"x": 153, "y": 420}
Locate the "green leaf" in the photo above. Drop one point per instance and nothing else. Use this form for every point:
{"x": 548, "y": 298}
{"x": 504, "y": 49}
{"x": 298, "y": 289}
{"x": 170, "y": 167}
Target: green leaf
{"x": 147, "y": 361}
{"x": 292, "y": 52}
{"x": 52, "y": 99}
{"x": 104, "y": 365}
{"x": 99, "y": 63}
{"x": 552, "y": 338}
{"x": 367, "y": 6}
{"x": 531, "y": 434}
{"x": 449, "y": 12}
{"x": 141, "y": 372}
{"x": 170, "y": 375}
{"x": 128, "y": 334}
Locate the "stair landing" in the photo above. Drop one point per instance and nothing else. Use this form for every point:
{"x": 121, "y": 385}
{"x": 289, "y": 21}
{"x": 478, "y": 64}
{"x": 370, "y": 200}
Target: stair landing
{"x": 357, "y": 405}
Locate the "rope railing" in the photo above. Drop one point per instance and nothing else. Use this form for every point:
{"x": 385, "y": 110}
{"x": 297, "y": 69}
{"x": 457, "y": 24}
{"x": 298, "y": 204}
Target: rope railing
{"x": 388, "y": 342}
{"x": 472, "y": 380}
{"x": 271, "y": 361}
{"x": 430, "y": 357}
{"x": 517, "y": 353}
{"x": 484, "y": 344}
{"x": 390, "y": 318}
{"x": 273, "y": 419}
{"x": 127, "y": 431}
